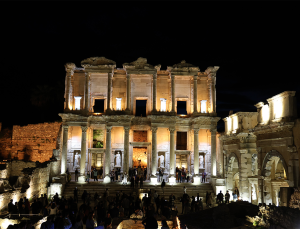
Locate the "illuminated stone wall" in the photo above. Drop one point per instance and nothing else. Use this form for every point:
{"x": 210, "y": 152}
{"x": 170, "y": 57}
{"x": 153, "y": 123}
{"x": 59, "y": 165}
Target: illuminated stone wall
{"x": 34, "y": 142}
{"x": 139, "y": 153}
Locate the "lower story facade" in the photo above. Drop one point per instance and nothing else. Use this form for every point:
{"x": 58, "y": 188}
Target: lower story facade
{"x": 152, "y": 142}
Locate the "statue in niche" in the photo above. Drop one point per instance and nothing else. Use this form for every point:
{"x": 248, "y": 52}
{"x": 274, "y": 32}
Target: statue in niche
{"x": 118, "y": 160}
{"x": 76, "y": 161}
{"x": 201, "y": 161}
{"x": 161, "y": 161}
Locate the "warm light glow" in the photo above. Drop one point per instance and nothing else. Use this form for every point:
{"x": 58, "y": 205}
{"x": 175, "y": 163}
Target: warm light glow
{"x": 229, "y": 124}
{"x": 235, "y": 123}
{"x": 203, "y": 106}
{"x": 77, "y": 102}
{"x": 163, "y": 104}
{"x": 265, "y": 113}
{"x": 278, "y": 108}
{"x": 119, "y": 103}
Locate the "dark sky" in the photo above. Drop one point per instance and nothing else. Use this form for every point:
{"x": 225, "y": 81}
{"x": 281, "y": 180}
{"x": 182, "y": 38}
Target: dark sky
{"x": 256, "y": 45}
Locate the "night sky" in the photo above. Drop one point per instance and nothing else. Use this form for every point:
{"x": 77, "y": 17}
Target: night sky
{"x": 256, "y": 45}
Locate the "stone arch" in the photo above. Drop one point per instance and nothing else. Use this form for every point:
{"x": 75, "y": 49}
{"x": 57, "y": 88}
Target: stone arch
{"x": 270, "y": 156}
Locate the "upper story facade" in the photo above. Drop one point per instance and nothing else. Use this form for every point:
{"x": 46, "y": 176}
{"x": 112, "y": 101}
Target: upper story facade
{"x": 139, "y": 89}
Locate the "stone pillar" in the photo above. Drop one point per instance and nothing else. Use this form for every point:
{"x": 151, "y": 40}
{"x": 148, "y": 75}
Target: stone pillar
{"x": 213, "y": 153}
{"x": 68, "y": 83}
{"x": 64, "y": 149}
{"x": 195, "y": 95}
{"x": 86, "y": 92}
{"x": 83, "y": 154}
{"x": 154, "y": 92}
{"x": 128, "y": 92}
{"x": 196, "y": 157}
{"x": 126, "y": 149}
{"x": 154, "y": 156}
{"x": 107, "y": 154}
{"x": 172, "y": 178}
{"x": 108, "y": 91}
{"x": 173, "y": 92}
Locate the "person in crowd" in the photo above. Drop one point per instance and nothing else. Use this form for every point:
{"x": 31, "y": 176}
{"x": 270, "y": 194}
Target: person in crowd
{"x": 203, "y": 177}
{"x": 90, "y": 221}
{"x": 227, "y": 197}
{"x": 95, "y": 174}
{"x": 48, "y": 224}
{"x": 87, "y": 177}
{"x": 179, "y": 176}
{"x": 141, "y": 182}
{"x": 10, "y": 206}
{"x": 76, "y": 194}
{"x": 220, "y": 197}
{"x": 184, "y": 189}
{"x": 160, "y": 175}
{"x": 76, "y": 175}
{"x": 107, "y": 221}
{"x": 150, "y": 222}
{"x": 163, "y": 184}
{"x": 132, "y": 182}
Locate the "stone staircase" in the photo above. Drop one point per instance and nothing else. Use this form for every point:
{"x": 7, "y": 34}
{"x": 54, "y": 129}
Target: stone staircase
{"x": 114, "y": 187}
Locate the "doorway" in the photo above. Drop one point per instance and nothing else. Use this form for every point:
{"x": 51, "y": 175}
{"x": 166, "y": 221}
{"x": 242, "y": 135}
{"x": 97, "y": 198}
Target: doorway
{"x": 139, "y": 157}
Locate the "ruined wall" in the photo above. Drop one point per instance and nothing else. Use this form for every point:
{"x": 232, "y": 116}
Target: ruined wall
{"x": 36, "y": 177}
{"x": 5, "y": 143}
{"x": 35, "y": 142}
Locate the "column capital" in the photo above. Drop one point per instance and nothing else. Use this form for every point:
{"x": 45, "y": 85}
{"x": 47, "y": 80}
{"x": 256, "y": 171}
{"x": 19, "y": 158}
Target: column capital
{"x": 195, "y": 77}
{"x": 196, "y": 130}
{"x": 84, "y": 128}
{"x": 172, "y": 130}
{"x": 108, "y": 129}
{"x": 128, "y": 76}
{"x": 127, "y": 128}
{"x": 213, "y": 130}
{"x": 154, "y": 75}
{"x": 154, "y": 129}
{"x": 65, "y": 127}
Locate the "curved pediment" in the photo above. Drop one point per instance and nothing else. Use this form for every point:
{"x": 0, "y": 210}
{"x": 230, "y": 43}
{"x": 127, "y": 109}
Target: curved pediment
{"x": 97, "y": 61}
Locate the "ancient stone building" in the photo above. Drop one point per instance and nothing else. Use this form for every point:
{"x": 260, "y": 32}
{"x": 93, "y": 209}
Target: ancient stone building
{"x": 261, "y": 150}
{"x": 139, "y": 115}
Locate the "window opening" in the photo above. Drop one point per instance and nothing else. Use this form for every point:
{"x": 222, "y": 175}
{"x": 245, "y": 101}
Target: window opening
{"x": 141, "y": 108}
{"x": 181, "y": 107}
{"x": 99, "y": 106}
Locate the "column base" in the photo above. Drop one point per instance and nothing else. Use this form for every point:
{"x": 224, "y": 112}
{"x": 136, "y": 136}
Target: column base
{"x": 106, "y": 179}
{"x": 172, "y": 179}
{"x": 153, "y": 179}
{"x": 81, "y": 179}
{"x": 197, "y": 180}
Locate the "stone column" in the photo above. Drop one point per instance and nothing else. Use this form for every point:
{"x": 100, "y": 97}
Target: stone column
{"x": 68, "y": 84}
{"x": 196, "y": 157}
{"x": 173, "y": 92}
{"x": 213, "y": 153}
{"x": 154, "y": 156}
{"x": 172, "y": 178}
{"x": 195, "y": 94}
{"x": 154, "y": 91}
{"x": 64, "y": 149}
{"x": 108, "y": 91}
{"x": 126, "y": 149}
{"x": 128, "y": 92}
{"x": 86, "y": 92}
{"x": 107, "y": 154}
{"x": 214, "y": 94}
{"x": 83, "y": 154}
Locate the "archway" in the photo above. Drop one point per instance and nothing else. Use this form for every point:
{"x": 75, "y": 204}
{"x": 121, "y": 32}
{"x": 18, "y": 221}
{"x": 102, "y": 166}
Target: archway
{"x": 276, "y": 176}
{"x": 232, "y": 173}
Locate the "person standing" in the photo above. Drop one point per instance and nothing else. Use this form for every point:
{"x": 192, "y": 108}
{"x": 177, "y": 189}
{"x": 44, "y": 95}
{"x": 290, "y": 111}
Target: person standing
{"x": 141, "y": 182}
{"x": 203, "y": 177}
{"x": 95, "y": 174}
{"x": 88, "y": 176}
{"x": 163, "y": 184}
{"x": 76, "y": 194}
{"x": 160, "y": 175}
{"x": 227, "y": 197}
{"x": 184, "y": 190}
{"x": 76, "y": 175}
{"x": 179, "y": 175}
